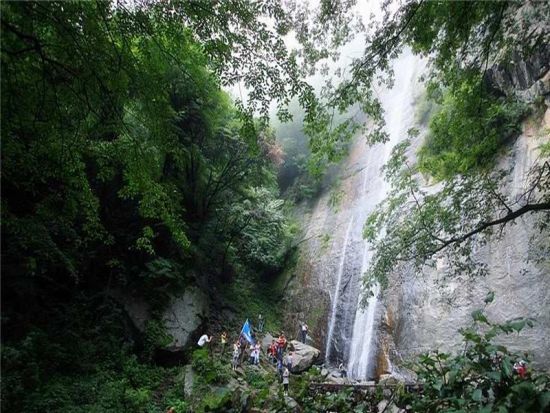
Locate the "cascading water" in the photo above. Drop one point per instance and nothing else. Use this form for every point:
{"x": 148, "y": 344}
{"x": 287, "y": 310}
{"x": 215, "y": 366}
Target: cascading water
{"x": 360, "y": 335}
{"x": 363, "y": 329}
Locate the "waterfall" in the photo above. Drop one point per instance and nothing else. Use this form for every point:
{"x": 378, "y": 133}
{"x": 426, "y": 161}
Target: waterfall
{"x": 363, "y": 328}
{"x": 360, "y": 349}
{"x": 337, "y": 290}
{"x": 398, "y": 104}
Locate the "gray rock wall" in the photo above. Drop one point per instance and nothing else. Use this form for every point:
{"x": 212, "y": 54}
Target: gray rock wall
{"x": 182, "y": 319}
{"x": 424, "y": 311}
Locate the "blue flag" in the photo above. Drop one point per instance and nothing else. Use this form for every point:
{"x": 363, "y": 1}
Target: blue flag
{"x": 246, "y": 332}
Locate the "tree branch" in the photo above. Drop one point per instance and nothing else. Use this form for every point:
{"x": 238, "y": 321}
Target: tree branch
{"x": 545, "y": 206}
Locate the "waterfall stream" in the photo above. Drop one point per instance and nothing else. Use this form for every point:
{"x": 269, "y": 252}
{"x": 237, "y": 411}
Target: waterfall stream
{"x": 360, "y": 349}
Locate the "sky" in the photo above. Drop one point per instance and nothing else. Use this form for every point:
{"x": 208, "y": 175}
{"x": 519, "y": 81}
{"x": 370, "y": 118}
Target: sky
{"x": 370, "y": 10}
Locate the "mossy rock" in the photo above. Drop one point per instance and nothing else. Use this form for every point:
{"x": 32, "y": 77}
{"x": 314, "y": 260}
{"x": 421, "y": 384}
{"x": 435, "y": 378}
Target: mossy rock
{"x": 219, "y": 399}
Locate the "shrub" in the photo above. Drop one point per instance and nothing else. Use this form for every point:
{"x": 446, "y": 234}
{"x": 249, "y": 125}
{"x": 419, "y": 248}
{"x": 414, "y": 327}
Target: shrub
{"x": 209, "y": 371}
{"x": 481, "y": 378}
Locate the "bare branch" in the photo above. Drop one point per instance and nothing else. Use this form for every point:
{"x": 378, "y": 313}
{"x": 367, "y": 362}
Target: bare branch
{"x": 545, "y": 206}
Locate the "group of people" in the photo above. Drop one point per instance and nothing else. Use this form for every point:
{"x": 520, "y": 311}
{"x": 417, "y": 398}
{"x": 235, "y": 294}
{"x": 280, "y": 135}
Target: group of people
{"x": 239, "y": 351}
{"x": 278, "y": 352}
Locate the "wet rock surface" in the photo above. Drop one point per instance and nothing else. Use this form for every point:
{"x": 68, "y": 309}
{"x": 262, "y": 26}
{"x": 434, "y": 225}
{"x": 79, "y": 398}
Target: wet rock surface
{"x": 184, "y": 316}
{"x": 429, "y": 308}
{"x": 304, "y": 356}
{"x": 524, "y": 78}
{"x": 182, "y": 319}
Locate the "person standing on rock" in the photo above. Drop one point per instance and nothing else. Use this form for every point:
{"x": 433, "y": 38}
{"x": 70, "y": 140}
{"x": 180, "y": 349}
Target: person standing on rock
{"x": 223, "y": 341}
{"x": 253, "y": 355}
{"x": 288, "y": 361}
{"x": 257, "y": 349}
{"x": 236, "y": 354}
{"x": 260, "y": 323}
{"x": 304, "y": 330}
{"x": 281, "y": 345}
{"x": 343, "y": 372}
{"x": 272, "y": 351}
{"x": 286, "y": 375}
{"x": 280, "y": 369}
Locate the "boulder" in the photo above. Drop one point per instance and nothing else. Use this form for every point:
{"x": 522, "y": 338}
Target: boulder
{"x": 335, "y": 380}
{"x": 136, "y": 308}
{"x": 292, "y": 405}
{"x": 387, "y": 407}
{"x": 304, "y": 356}
{"x": 183, "y": 317}
{"x": 388, "y": 379}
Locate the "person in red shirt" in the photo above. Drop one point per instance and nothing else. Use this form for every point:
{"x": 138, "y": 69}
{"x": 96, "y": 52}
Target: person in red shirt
{"x": 281, "y": 345}
{"x": 521, "y": 368}
{"x": 272, "y": 350}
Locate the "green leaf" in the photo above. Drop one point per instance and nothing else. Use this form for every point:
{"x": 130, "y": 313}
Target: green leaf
{"x": 506, "y": 367}
{"x": 490, "y": 297}
{"x": 494, "y": 375}
{"x": 477, "y": 395}
{"x": 544, "y": 399}
{"x": 478, "y": 315}
{"x": 517, "y": 325}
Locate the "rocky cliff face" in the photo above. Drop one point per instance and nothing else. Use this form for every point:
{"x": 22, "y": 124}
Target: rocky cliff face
{"x": 525, "y": 78}
{"x": 422, "y": 311}
{"x": 183, "y": 319}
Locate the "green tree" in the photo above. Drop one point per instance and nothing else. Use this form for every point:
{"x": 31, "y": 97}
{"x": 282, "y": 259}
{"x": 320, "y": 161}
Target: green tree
{"x": 122, "y": 159}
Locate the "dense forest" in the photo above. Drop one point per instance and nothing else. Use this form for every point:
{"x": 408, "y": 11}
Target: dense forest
{"x": 129, "y": 169}
{"x": 125, "y": 166}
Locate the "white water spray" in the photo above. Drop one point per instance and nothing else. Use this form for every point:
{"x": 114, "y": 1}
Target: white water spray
{"x": 399, "y": 116}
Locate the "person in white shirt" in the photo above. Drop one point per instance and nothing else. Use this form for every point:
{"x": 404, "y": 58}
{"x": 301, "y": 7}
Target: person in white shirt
{"x": 304, "y": 332}
{"x": 257, "y": 349}
{"x": 204, "y": 340}
{"x": 286, "y": 375}
{"x": 288, "y": 361}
